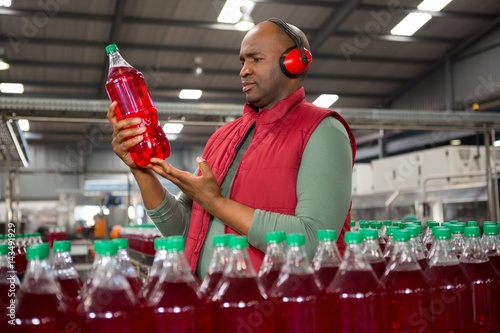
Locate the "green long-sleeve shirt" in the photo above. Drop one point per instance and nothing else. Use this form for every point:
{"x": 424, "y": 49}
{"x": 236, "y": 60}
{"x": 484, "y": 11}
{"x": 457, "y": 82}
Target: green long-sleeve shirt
{"x": 323, "y": 193}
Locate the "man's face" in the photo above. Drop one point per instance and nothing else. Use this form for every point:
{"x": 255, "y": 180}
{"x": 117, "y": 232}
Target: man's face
{"x": 263, "y": 82}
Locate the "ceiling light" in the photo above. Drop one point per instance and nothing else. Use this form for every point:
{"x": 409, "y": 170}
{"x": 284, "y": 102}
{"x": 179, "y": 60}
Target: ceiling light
{"x": 433, "y": 5}
{"x": 173, "y": 128}
{"x": 5, "y": 3}
{"x": 11, "y": 88}
{"x": 246, "y": 23}
{"x": 496, "y": 143}
{"x": 190, "y": 94}
{"x": 4, "y": 65}
{"x": 24, "y": 124}
{"x": 410, "y": 24}
{"x": 456, "y": 142}
{"x": 326, "y": 100}
{"x": 172, "y": 137}
{"x": 231, "y": 11}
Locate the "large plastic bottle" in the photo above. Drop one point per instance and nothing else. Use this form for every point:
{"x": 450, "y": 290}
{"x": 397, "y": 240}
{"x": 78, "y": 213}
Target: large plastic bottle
{"x": 220, "y": 258}
{"x": 240, "y": 304}
{"x": 176, "y": 305}
{"x": 485, "y": 282}
{"x": 417, "y": 247}
{"x": 389, "y": 245}
{"x": 96, "y": 263}
{"x": 371, "y": 251}
{"x": 9, "y": 282}
{"x": 126, "y": 267}
{"x": 160, "y": 245}
{"x": 428, "y": 235}
{"x": 273, "y": 261}
{"x": 452, "y": 301}
{"x": 41, "y": 305}
{"x": 127, "y": 86}
{"x": 358, "y": 298}
{"x": 300, "y": 304}
{"x": 326, "y": 260}
{"x": 491, "y": 244}
{"x": 409, "y": 291}
{"x": 65, "y": 272}
{"x": 109, "y": 305}
{"x": 457, "y": 238}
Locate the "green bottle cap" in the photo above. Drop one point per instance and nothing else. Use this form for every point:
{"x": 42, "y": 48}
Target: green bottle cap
{"x": 222, "y": 240}
{"x": 122, "y": 243}
{"x": 413, "y": 230}
{"x": 295, "y": 239}
{"x": 419, "y": 222}
{"x": 397, "y": 223}
{"x": 353, "y": 223}
{"x": 62, "y": 246}
{"x": 472, "y": 231}
{"x": 402, "y": 235}
{"x": 160, "y": 243}
{"x": 457, "y": 228}
{"x": 353, "y": 237}
{"x": 441, "y": 233}
{"x": 491, "y": 229}
{"x": 370, "y": 233}
{"x": 38, "y": 251}
{"x": 377, "y": 225}
{"x": 327, "y": 235}
{"x": 472, "y": 223}
{"x": 431, "y": 224}
{"x": 111, "y": 48}
{"x": 175, "y": 244}
{"x": 391, "y": 230}
{"x": 488, "y": 222}
{"x": 97, "y": 245}
{"x": 238, "y": 242}
{"x": 106, "y": 248}
{"x": 274, "y": 237}
{"x": 387, "y": 223}
{"x": 4, "y": 249}
{"x": 363, "y": 224}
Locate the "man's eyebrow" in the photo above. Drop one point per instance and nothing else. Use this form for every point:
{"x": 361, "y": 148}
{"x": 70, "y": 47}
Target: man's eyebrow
{"x": 250, "y": 54}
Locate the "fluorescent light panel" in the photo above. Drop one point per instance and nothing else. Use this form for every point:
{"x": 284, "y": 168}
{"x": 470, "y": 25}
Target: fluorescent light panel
{"x": 24, "y": 124}
{"x": 496, "y": 143}
{"x": 190, "y": 94}
{"x": 3, "y": 65}
{"x": 231, "y": 11}
{"x": 5, "y": 3}
{"x": 173, "y": 128}
{"x": 433, "y": 5}
{"x": 326, "y": 100}
{"x": 11, "y": 88}
{"x": 410, "y": 24}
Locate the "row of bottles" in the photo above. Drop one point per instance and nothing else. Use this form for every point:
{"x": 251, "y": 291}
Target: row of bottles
{"x": 19, "y": 243}
{"x": 288, "y": 294}
{"x": 141, "y": 237}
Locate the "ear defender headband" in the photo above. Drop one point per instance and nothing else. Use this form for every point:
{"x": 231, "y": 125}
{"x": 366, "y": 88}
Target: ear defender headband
{"x": 297, "y": 59}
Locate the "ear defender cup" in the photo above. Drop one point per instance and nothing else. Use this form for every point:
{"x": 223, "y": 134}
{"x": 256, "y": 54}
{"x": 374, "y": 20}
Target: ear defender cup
{"x": 293, "y": 64}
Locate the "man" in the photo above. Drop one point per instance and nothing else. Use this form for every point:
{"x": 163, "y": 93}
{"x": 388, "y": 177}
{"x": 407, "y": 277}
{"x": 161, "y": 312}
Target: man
{"x": 284, "y": 165}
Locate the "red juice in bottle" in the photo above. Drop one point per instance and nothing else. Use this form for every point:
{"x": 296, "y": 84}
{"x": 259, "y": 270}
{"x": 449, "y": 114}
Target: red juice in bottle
{"x": 326, "y": 274}
{"x": 273, "y": 261}
{"x": 127, "y": 86}
{"x": 423, "y": 263}
{"x": 72, "y": 288}
{"x": 267, "y": 281}
{"x": 495, "y": 261}
{"x": 327, "y": 258}
{"x": 218, "y": 262}
{"x": 379, "y": 267}
{"x": 209, "y": 283}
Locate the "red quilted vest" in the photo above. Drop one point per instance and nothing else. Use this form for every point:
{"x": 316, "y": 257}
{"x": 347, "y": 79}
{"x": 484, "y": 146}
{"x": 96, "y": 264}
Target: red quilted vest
{"x": 267, "y": 175}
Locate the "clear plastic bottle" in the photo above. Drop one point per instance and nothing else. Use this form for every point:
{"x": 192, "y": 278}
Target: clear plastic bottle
{"x": 409, "y": 291}
{"x": 52, "y": 313}
{"x": 372, "y": 252}
{"x": 491, "y": 244}
{"x": 452, "y": 309}
{"x": 239, "y": 298}
{"x": 356, "y": 290}
{"x": 127, "y": 86}
{"x": 96, "y": 263}
{"x": 457, "y": 238}
{"x": 326, "y": 260}
{"x": 110, "y": 305}
{"x": 175, "y": 304}
{"x": 428, "y": 235}
{"x": 273, "y": 261}
{"x": 389, "y": 246}
{"x": 65, "y": 272}
{"x": 160, "y": 245}
{"x": 485, "y": 282}
{"x": 417, "y": 247}
{"x": 220, "y": 258}
{"x": 9, "y": 282}
{"x": 297, "y": 294}
{"x": 126, "y": 266}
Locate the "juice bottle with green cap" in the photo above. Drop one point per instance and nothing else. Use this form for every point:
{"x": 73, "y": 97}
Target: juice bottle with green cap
{"x": 326, "y": 260}
{"x": 41, "y": 305}
{"x": 358, "y": 299}
{"x": 126, "y": 267}
{"x": 239, "y": 303}
{"x": 9, "y": 282}
{"x": 300, "y": 304}
{"x": 176, "y": 305}
{"x": 156, "y": 267}
{"x": 109, "y": 305}
{"x": 372, "y": 252}
{"x": 273, "y": 261}
{"x": 453, "y": 309}
{"x": 485, "y": 282}
{"x": 218, "y": 262}
{"x": 127, "y": 86}
{"x": 65, "y": 272}
{"x": 409, "y": 292}
{"x": 491, "y": 244}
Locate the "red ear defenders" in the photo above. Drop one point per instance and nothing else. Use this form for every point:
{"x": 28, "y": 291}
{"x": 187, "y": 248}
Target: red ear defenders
{"x": 297, "y": 59}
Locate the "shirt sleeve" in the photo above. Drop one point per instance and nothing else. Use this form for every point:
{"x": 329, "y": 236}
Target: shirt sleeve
{"x": 323, "y": 189}
{"x": 172, "y": 216}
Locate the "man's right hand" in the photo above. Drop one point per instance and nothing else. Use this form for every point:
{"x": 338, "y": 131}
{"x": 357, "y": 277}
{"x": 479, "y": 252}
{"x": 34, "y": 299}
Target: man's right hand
{"x": 125, "y": 135}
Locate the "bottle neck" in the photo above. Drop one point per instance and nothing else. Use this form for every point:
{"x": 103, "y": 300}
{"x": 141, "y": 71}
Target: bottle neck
{"x": 326, "y": 255}
{"x": 491, "y": 244}
{"x": 239, "y": 265}
{"x": 403, "y": 258}
{"x": 473, "y": 252}
{"x": 442, "y": 254}
{"x": 116, "y": 60}
{"x": 296, "y": 261}
{"x": 176, "y": 268}
{"x": 220, "y": 258}
{"x": 274, "y": 255}
{"x": 353, "y": 259}
{"x": 39, "y": 275}
{"x": 371, "y": 249}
